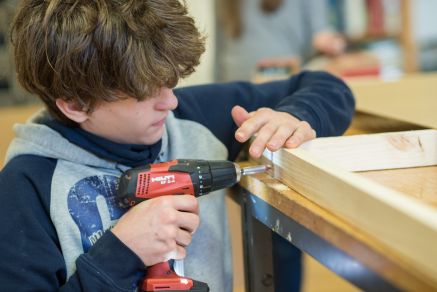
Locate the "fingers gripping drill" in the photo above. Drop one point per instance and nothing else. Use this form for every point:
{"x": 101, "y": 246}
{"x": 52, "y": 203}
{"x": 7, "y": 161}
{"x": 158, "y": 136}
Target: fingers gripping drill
{"x": 177, "y": 177}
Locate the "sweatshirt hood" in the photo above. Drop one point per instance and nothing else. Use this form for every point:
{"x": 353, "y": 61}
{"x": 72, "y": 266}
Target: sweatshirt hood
{"x": 43, "y": 136}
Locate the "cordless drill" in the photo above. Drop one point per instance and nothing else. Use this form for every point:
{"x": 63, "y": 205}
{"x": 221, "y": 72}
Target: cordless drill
{"x": 177, "y": 177}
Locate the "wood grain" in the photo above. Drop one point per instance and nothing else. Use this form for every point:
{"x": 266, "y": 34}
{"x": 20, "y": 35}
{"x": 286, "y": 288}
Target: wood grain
{"x": 352, "y": 240}
{"x": 364, "y": 123}
{"x": 418, "y": 182}
{"x": 377, "y": 151}
{"x": 406, "y": 225}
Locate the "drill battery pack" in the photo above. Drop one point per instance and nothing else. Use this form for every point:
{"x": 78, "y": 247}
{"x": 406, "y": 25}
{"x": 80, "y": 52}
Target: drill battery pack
{"x": 197, "y": 287}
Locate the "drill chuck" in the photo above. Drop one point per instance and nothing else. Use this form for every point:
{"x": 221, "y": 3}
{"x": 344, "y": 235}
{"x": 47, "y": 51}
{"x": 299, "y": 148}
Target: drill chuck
{"x": 224, "y": 174}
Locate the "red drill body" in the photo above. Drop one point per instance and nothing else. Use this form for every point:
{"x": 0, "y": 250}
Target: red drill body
{"x": 176, "y": 177}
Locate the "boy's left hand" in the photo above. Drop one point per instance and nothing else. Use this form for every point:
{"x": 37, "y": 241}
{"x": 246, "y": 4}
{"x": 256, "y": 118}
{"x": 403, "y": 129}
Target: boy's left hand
{"x": 273, "y": 129}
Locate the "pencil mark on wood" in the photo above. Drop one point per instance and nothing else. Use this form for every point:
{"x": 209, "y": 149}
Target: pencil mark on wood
{"x": 401, "y": 142}
{"x": 420, "y": 144}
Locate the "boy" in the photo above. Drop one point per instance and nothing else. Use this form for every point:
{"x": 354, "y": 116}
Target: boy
{"x": 105, "y": 71}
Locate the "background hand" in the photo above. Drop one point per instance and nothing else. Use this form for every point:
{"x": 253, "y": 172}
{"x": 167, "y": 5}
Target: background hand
{"x": 329, "y": 43}
{"x": 273, "y": 129}
{"x": 159, "y": 229}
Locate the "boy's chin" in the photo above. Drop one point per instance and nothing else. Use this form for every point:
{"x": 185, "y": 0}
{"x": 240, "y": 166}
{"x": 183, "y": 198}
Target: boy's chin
{"x": 152, "y": 139}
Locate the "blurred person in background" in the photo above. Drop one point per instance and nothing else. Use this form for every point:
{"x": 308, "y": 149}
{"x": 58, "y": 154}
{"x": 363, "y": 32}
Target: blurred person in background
{"x": 255, "y": 35}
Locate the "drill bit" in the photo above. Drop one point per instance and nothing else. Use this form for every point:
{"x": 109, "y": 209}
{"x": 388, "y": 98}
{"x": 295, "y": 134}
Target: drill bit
{"x": 249, "y": 170}
{"x": 255, "y": 169}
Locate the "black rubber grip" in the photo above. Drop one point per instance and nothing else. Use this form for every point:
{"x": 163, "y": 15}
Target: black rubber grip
{"x": 223, "y": 174}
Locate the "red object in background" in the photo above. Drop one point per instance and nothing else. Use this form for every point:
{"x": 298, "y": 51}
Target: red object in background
{"x": 360, "y": 72}
{"x": 375, "y": 12}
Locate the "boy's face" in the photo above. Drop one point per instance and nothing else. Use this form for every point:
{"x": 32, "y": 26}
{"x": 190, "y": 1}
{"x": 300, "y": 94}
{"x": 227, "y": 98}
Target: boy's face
{"x": 129, "y": 121}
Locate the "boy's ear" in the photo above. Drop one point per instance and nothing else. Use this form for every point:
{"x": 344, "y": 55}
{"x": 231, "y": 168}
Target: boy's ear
{"x": 71, "y": 110}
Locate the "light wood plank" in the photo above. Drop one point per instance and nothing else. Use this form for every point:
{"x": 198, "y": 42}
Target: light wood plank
{"x": 406, "y": 225}
{"x": 364, "y": 123}
{"x": 341, "y": 233}
{"x": 418, "y": 182}
{"x": 377, "y": 151}
{"x": 367, "y": 249}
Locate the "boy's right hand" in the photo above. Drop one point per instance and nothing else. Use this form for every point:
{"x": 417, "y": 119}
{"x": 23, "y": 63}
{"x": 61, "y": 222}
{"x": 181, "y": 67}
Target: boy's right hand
{"x": 159, "y": 229}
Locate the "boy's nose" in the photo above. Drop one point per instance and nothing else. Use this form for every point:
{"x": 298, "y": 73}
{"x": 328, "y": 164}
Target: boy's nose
{"x": 166, "y": 100}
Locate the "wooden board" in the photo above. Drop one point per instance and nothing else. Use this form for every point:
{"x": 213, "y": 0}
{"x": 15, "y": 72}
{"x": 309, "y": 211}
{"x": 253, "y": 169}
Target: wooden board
{"x": 405, "y": 224}
{"x": 364, "y": 123}
{"x": 418, "y": 182}
{"x": 355, "y": 242}
{"x": 411, "y": 98}
{"x": 381, "y": 151}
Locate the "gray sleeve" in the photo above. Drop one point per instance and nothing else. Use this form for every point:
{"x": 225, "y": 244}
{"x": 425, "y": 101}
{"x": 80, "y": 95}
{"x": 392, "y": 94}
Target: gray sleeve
{"x": 315, "y": 20}
{"x": 316, "y": 15}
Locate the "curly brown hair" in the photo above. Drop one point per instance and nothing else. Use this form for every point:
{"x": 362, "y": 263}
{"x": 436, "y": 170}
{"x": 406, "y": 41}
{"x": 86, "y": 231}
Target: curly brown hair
{"x": 86, "y": 51}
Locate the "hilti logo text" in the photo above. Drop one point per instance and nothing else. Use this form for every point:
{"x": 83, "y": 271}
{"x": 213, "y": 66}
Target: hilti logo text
{"x": 165, "y": 179}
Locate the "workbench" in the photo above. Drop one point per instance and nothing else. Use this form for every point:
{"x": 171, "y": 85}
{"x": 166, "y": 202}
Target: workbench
{"x": 269, "y": 206}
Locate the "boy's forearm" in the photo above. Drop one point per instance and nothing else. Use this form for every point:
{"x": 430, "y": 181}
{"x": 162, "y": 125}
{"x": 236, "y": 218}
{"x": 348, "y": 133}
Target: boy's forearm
{"x": 108, "y": 265}
{"x": 322, "y": 100}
